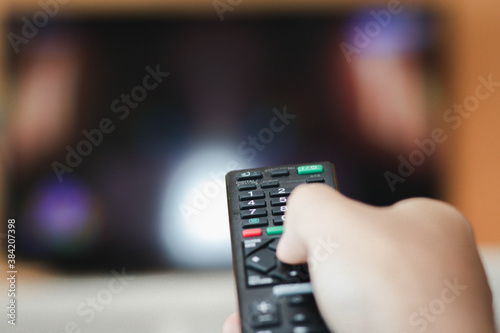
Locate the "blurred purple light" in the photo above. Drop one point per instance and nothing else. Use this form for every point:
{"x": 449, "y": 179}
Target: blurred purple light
{"x": 63, "y": 215}
{"x": 62, "y": 208}
{"x": 405, "y": 32}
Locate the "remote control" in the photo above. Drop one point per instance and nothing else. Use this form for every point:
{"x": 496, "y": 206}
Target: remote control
{"x": 273, "y": 297}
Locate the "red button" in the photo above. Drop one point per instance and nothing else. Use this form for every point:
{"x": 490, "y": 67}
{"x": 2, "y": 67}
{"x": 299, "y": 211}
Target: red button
{"x": 252, "y": 233}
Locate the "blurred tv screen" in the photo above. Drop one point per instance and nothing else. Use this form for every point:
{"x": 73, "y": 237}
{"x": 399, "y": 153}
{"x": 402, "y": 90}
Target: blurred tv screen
{"x": 159, "y": 110}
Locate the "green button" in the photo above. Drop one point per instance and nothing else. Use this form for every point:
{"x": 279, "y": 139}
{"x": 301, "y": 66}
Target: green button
{"x": 275, "y": 230}
{"x": 252, "y": 221}
{"x": 308, "y": 169}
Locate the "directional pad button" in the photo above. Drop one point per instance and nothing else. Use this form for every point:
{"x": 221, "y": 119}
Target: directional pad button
{"x": 262, "y": 261}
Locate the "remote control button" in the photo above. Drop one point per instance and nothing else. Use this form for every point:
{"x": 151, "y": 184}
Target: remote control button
{"x": 278, "y": 220}
{"x": 247, "y": 187}
{"x": 249, "y": 175}
{"x": 274, "y": 230}
{"x": 279, "y": 201}
{"x": 254, "y": 222}
{"x": 252, "y": 233}
{"x": 309, "y": 169}
{"x": 305, "y": 329}
{"x": 299, "y": 300}
{"x": 300, "y": 318}
{"x": 280, "y": 173}
{"x": 252, "y": 195}
{"x": 280, "y": 192}
{"x": 315, "y": 180}
{"x": 279, "y": 276}
{"x": 274, "y": 244}
{"x": 253, "y": 204}
{"x": 264, "y": 313}
{"x": 290, "y": 273}
{"x": 252, "y": 245}
{"x": 255, "y": 279}
{"x": 270, "y": 183}
{"x": 254, "y": 212}
{"x": 282, "y": 290}
{"x": 279, "y": 210}
{"x": 262, "y": 261}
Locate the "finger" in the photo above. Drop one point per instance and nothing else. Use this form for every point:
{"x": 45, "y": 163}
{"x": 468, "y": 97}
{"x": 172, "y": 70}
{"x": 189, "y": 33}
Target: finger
{"x": 310, "y": 211}
{"x": 232, "y": 324}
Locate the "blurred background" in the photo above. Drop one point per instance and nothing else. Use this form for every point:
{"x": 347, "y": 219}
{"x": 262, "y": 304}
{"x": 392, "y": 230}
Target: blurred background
{"x": 119, "y": 120}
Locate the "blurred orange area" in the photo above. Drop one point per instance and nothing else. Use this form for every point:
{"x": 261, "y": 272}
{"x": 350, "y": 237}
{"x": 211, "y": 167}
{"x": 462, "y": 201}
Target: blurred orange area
{"x": 472, "y": 158}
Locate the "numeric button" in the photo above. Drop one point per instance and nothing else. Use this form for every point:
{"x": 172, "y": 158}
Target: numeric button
{"x": 280, "y": 192}
{"x": 279, "y": 210}
{"x": 251, "y": 195}
{"x": 279, "y": 201}
{"x": 253, "y": 204}
{"x": 254, "y": 212}
{"x": 278, "y": 220}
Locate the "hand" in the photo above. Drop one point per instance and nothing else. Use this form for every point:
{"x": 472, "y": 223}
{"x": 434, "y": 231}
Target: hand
{"x": 410, "y": 267}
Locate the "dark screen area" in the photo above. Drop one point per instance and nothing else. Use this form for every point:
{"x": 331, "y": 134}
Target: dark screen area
{"x": 245, "y": 93}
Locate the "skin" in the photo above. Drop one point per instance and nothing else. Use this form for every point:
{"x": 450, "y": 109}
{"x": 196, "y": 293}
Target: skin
{"x": 386, "y": 269}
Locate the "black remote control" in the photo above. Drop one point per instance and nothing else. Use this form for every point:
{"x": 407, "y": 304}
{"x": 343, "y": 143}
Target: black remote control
{"x": 273, "y": 297}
